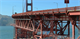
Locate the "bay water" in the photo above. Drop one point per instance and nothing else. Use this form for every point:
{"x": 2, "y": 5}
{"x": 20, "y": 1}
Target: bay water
{"x": 8, "y": 32}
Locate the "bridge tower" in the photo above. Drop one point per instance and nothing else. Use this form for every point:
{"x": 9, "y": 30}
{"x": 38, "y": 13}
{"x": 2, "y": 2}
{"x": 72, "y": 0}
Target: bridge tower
{"x": 28, "y": 4}
{"x": 21, "y": 33}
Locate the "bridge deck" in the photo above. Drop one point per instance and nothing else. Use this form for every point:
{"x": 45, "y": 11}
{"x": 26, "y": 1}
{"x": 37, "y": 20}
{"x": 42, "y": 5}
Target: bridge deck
{"x": 51, "y": 11}
{"x": 48, "y": 20}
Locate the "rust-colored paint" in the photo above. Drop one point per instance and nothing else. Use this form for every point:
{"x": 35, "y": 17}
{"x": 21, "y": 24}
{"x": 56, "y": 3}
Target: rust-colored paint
{"x": 51, "y": 11}
{"x": 74, "y": 13}
{"x": 78, "y": 37}
{"x": 66, "y": 1}
{"x": 41, "y": 20}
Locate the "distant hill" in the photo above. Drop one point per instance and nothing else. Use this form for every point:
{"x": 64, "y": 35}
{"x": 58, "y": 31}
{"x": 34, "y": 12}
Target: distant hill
{"x": 5, "y": 20}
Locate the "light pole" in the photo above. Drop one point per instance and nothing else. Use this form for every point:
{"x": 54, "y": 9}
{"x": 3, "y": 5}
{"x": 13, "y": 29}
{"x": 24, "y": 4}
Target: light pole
{"x": 13, "y": 9}
{"x": 23, "y": 6}
{"x": 56, "y": 3}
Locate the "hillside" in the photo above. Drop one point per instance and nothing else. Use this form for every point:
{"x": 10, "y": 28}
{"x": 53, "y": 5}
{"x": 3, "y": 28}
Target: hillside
{"x": 5, "y": 20}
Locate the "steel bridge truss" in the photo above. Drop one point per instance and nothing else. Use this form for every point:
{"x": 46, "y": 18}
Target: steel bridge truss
{"x": 51, "y": 24}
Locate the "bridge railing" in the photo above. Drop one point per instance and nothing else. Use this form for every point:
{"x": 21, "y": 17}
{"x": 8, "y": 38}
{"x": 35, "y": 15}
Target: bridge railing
{"x": 59, "y": 10}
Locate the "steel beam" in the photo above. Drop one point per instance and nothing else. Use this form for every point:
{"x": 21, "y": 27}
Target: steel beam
{"x": 73, "y": 29}
{"x": 16, "y": 33}
{"x": 74, "y": 13}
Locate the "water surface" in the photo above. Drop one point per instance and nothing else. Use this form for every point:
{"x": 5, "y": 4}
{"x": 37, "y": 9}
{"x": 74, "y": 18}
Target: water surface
{"x": 6, "y": 32}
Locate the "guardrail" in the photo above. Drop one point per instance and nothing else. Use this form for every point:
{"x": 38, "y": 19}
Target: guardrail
{"x": 59, "y": 10}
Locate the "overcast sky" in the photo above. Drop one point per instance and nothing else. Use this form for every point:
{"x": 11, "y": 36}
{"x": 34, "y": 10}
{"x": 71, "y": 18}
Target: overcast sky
{"x": 7, "y": 5}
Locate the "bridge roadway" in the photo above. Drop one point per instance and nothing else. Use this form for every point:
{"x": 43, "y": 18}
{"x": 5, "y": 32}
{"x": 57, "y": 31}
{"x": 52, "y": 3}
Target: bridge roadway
{"x": 67, "y": 11}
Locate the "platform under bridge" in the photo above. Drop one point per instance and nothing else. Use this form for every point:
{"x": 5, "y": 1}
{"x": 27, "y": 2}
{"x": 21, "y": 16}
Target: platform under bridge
{"x": 36, "y": 24}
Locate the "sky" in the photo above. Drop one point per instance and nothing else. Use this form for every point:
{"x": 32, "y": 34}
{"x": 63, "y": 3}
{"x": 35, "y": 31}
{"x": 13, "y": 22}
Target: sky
{"x": 8, "y": 7}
